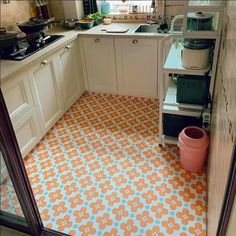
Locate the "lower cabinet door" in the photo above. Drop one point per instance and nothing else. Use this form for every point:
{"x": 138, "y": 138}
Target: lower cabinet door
{"x": 136, "y": 63}
{"x": 44, "y": 84}
{"x": 72, "y": 84}
{"x": 27, "y": 130}
{"x": 100, "y": 64}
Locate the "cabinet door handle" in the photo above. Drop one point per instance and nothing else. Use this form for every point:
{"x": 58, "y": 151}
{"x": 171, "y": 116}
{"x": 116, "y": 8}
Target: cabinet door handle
{"x": 67, "y": 47}
{"x": 135, "y": 41}
{"x": 44, "y": 63}
{"x": 97, "y": 40}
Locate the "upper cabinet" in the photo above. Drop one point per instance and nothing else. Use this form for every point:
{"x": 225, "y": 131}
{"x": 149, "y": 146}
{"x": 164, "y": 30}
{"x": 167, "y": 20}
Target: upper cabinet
{"x": 71, "y": 79}
{"x": 100, "y": 67}
{"x": 136, "y": 66}
{"x": 44, "y": 84}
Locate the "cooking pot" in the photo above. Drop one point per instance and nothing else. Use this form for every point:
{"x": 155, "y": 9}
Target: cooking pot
{"x": 199, "y": 21}
{"x": 195, "y": 54}
{"x": 34, "y": 25}
{"x": 70, "y": 23}
{"x": 8, "y": 38}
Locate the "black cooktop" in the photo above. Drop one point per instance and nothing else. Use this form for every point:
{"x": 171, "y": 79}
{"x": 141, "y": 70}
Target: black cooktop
{"x": 26, "y": 49}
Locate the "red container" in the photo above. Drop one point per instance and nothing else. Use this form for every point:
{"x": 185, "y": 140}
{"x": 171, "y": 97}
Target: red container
{"x": 193, "y": 143}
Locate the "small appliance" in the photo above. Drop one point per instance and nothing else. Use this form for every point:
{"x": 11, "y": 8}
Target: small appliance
{"x": 195, "y": 54}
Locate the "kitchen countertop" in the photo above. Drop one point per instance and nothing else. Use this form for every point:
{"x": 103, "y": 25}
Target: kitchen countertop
{"x": 99, "y": 30}
{"x": 9, "y": 67}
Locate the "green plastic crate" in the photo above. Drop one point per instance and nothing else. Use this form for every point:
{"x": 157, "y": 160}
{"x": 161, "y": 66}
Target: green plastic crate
{"x": 193, "y": 89}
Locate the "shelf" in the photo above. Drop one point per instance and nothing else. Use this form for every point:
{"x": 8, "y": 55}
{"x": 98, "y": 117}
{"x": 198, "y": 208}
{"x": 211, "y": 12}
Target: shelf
{"x": 204, "y": 5}
{"x": 204, "y": 34}
{"x": 173, "y": 63}
{"x": 169, "y": 139}
{"x": 181, "y": 111}
{"x": 170, "y": 99}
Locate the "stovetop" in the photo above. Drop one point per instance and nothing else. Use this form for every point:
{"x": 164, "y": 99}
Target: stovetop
{"x": 25, "y": 48}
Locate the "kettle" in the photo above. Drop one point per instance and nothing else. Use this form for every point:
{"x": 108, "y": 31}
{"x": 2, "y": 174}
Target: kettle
{"x": 105, "y": 7}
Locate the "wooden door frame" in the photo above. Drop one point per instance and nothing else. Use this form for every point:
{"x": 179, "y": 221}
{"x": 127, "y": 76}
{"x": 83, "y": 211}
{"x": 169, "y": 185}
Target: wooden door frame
{"x": 18, "y": 175}
{"x": 229, "y": 199}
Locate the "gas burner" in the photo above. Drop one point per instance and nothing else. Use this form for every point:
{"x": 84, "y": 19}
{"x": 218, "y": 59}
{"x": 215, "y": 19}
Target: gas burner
{"x": 9, "y": 50}
{"x": 28, "y": 45}
{"x": 36, "y": 40}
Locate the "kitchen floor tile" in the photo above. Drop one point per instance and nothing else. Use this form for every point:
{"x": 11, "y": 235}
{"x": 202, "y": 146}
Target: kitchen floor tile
{"x": 100, "y": 171}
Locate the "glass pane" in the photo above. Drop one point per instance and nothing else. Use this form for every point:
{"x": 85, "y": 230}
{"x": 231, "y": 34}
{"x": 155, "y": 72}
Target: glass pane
{"x": 9, "y": 201}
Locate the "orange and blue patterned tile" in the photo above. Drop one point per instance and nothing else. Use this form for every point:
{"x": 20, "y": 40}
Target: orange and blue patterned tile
{"x": 100, "y": 171}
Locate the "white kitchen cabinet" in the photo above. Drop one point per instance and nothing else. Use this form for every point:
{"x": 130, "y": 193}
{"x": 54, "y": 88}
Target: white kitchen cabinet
{"x": 27, "y": 130}
{"x": 100, "y": 66}
{"x": 136, "y": 63}
{"x": 17, "y": 95}
{"x": 71, "y": 79}
{"x": 44, "y": 79}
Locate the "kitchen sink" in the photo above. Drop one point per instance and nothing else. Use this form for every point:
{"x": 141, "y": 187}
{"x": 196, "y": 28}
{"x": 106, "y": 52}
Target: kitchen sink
{"x": 154, "y": 29}
{"x": 147, "y": 29}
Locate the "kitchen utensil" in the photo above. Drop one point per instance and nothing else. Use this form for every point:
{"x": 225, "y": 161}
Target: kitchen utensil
{"x": 117, "y": 30}
{"x": 135, "y": 9}
{"x": 195, "y": 54}
{"x": 86, "y": 23}
{"x": 34, "y": 25}
{"x": 97, "y": 17}
{"x": 70, "y": 23}
{"x": 107, "y": 21}
{"x": 8, "y": 38}
{"x": 199, "y": 21}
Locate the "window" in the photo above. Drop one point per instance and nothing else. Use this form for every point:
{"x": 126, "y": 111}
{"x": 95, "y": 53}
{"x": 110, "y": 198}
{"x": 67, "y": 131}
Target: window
{"x": 117, "y": 6}
{"x": 174, "y": 2}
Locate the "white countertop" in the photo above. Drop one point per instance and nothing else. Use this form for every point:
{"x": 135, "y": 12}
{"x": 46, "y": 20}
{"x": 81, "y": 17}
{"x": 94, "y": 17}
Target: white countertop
{"x": 9, "y": 67}
{"x": 100, "y": 31}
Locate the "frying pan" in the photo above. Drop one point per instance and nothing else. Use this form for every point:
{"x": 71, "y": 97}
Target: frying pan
{"x": 34, "y": 25}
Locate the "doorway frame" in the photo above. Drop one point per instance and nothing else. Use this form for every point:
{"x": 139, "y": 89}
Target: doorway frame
{"x": 18, "y": 175}
{"x": 229, "y": 199}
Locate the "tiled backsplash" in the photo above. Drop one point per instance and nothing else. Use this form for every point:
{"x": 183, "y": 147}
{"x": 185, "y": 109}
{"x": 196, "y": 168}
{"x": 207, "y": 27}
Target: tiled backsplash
{"x": 56, "y": 9}
{"x": 15, "y": 11}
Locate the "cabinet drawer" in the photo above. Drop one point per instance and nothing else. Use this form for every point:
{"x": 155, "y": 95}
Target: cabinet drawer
{"x": 17, "y": 95}
{"x": 27, "y": 131}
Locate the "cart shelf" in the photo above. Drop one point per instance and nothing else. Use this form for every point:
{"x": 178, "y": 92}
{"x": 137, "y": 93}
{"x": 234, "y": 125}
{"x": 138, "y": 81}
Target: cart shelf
{"x": 173, "y": 63}
{"x": 170, "y": 99}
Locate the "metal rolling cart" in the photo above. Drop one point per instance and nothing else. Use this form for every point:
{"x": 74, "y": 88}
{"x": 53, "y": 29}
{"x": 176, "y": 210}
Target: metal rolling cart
{"x": 170, "y": 64}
